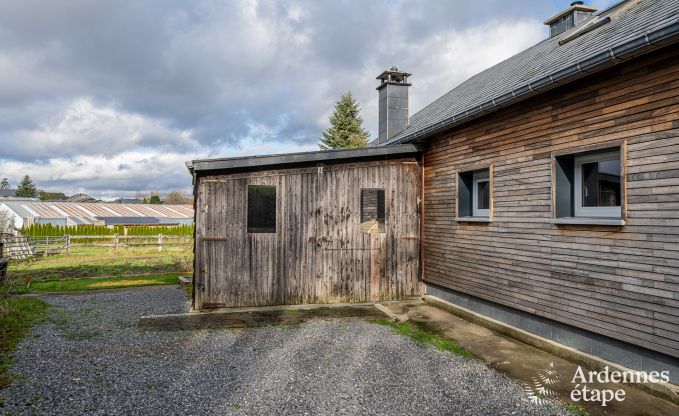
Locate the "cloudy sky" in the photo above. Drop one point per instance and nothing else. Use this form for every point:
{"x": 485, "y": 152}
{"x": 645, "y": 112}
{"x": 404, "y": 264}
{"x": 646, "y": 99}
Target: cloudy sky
{"x": 111, "y": 98}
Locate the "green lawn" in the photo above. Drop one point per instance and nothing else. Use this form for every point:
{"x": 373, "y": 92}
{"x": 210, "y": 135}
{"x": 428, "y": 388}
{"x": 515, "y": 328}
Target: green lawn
{"x": 72, "y": 285}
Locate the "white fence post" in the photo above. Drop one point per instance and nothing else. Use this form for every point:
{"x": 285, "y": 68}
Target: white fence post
{"x": 116, "y": 241}
{"x": 68, "y": 244}
{"x": 160, "y": 242}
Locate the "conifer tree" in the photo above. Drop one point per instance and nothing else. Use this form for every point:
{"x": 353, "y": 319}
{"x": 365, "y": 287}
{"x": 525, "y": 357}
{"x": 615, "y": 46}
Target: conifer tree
{"x": 27, "y": 188}
{"x": 346, "y": 126}
{"x": 4, "y": 184}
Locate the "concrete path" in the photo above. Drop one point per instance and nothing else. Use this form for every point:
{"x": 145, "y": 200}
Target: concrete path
{"x": 527, "y": 364}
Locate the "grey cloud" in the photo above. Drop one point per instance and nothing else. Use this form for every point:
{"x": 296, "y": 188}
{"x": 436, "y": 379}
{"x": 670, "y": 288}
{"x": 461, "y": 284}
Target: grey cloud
{"x": 229, "y": 72}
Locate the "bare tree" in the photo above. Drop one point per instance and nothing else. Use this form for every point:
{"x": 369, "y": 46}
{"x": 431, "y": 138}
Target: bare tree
{"x": 6, "y": 222}
{"x": 176, "y": 198}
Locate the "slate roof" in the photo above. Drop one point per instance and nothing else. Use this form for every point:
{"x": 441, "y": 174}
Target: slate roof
{"x": 638, "y": 29}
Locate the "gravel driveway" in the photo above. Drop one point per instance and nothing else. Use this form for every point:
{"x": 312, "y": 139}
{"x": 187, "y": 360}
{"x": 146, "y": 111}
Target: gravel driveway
{"x": 89, "y": 358}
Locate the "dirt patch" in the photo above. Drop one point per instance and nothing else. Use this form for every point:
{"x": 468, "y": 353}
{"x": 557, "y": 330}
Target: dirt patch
{"x": 256, "y": 318}
{"x": 122, "y": 283}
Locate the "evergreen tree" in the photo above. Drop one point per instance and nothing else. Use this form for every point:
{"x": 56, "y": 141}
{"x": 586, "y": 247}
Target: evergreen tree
{"x": 346, "y": 126}
{"x": 4, "y": 184}
{"x": 155, "y": 199}
{"x": 27, "y": 188}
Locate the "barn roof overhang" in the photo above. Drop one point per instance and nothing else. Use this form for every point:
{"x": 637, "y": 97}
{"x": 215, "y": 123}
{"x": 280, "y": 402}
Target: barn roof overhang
{"x": 302, "y": 158}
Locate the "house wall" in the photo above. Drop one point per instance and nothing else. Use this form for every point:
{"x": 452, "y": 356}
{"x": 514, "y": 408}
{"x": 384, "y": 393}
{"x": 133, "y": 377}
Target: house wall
{"x": 318, "y": 253}
{"x": 619, "y": 282}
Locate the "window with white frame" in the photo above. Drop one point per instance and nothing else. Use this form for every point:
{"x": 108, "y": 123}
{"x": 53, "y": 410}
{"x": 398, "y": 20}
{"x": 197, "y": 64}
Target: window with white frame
{"x": 589, "y": 184}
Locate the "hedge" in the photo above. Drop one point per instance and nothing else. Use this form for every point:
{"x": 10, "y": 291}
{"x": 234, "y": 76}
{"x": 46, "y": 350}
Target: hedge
{"x": 49, "y": 230}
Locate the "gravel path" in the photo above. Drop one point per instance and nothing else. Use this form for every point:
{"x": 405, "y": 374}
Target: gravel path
{"x": 90, "y": 358}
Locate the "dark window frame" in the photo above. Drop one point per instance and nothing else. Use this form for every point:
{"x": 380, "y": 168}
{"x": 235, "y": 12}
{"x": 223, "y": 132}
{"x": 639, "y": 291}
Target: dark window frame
{"x": 265, "y": 222}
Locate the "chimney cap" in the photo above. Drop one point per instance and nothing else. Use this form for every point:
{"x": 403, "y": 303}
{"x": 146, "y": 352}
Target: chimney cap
{"x": 393, "y": 71}
{"x": 575, "y": 6}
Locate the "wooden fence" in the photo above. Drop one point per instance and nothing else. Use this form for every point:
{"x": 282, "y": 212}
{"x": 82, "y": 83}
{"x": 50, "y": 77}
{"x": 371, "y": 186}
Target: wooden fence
{"x": 22, "y": 247}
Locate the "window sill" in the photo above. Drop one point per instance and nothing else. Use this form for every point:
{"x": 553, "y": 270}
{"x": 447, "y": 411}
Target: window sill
{"x": 588, "y": 221}
{"x": 473, "y": 219}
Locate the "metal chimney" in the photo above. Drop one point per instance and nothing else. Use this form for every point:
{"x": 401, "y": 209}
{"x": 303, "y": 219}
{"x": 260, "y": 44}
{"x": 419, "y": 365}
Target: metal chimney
{"x": 393, "y": 104}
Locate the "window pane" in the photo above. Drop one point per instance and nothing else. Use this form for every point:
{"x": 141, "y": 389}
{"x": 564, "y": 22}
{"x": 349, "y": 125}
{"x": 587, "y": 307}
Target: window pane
{"x": 609, "y": 183}
{"x": 601, "y": 184}
{"x": 483, "y": 195}
{"x": 261, "y": 209}
{"x": 590, "y": 188}
{"x": 372, "y": 210}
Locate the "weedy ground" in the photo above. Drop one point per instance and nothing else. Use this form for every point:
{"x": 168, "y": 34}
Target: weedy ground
{"x": 16, "y": 317}
{"x": 424, "y": 336}
{"x": 85, "y": 268}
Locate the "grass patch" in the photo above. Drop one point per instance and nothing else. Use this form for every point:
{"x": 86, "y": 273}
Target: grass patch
{"x": 16, "y": 317}
{"x": 424, "y": 337}
{"x": 103, "y": 261}
{"x": 72, "y": 285}
{"x": 577, "y": 409}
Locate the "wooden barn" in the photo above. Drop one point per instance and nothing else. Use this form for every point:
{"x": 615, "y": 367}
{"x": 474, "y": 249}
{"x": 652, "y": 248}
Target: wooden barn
{"x": 319, "y": 227}
{"x": 542, "y": 193}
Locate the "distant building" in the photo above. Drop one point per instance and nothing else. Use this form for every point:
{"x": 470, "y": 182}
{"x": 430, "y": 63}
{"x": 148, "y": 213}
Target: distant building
{"x": 128, "y": 201}
{"x": 29, "y": 212}
{"x": 10, "y": 195}
{"x": 81, "y": 198}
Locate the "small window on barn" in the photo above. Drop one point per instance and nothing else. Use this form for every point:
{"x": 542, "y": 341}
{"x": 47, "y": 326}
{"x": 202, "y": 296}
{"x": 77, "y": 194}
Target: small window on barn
{"x": 589, "y": 184}
{"x": 474, "y": 195}
{"x": 261, "y": 209}
{"x": 372, "y": 211}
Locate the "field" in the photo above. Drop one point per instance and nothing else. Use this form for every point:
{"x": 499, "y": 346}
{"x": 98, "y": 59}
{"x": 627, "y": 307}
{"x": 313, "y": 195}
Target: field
{"x": 103, "y": 262}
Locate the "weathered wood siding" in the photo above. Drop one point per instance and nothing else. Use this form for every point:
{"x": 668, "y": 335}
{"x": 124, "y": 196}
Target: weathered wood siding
{"x": 620, "y": 282}
{"x": 318, "y": 253}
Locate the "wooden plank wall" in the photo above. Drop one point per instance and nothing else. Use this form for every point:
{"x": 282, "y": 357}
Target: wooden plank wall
{"x": 318, "y": 254}
{"x": 620, "y": 282}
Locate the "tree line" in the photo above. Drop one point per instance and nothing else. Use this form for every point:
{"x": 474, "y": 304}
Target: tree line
{"x": 28, "y": 189}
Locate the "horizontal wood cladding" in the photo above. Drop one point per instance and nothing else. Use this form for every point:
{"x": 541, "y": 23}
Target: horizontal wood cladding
{"x": 621, "y": 282}
{"x": 318, "y": 253}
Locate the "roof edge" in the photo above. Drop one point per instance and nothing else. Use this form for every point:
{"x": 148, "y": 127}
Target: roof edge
{"x": 300, "y": 157}
{"x": 665, "y": 35}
